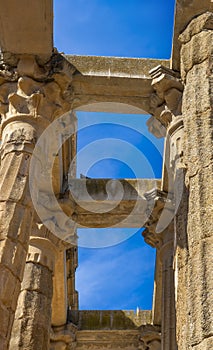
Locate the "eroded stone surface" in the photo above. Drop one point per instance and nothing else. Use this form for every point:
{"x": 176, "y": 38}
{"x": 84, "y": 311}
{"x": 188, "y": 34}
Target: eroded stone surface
{"x": 194, "y": 294}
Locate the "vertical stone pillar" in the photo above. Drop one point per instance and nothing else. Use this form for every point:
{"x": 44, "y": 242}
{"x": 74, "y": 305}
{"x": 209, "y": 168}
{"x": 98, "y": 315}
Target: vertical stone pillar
{"x": 167, "y": 109}
{"x": 72, "y": 264}
{"x": 166, "y": 104}
{"x": 31, "y": 98}
{"x": 59, "y": 301}
{"x": 33, "y": 314}
{"x": 18, "y": 140}
{"x": 32, "y": 324}
{"x": 157, "y": 292}
{"x": 196, "y": 72}
{"x": 168, "y": 331}
{"x": 63, "y": 333}
{"x": 164, "y": 242}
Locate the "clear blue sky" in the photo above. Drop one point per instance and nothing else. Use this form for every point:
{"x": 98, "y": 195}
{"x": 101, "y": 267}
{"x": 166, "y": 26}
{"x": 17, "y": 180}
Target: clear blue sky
{"x": 118, "y": 275}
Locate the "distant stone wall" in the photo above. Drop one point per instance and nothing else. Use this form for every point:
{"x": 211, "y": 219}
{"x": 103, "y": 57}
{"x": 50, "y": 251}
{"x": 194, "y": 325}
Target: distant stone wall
{"x": 109, "y": 319}
{"x": 107, "y": 329}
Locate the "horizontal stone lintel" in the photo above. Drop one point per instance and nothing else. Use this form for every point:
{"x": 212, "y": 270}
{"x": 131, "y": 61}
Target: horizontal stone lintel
{"x": 111, "y": 202}
{"x": 112, "y": 84}
{"x": 107, "y": 66}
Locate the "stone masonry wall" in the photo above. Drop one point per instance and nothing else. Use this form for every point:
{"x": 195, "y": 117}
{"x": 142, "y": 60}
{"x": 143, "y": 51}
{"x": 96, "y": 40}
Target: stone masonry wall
{"x": 195, "y": 300}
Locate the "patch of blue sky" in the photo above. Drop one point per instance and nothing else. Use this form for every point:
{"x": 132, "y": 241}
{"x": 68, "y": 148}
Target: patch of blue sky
{"x": 120, "y": 276}
{"x": 123, "y": 139}
{"x": 128, "y": 28}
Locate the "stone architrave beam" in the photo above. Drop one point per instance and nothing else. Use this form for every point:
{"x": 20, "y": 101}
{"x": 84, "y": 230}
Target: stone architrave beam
{"x": 26, "y": 27}
{"x": 102, "y": 203}
{"x": 112, "y": 84}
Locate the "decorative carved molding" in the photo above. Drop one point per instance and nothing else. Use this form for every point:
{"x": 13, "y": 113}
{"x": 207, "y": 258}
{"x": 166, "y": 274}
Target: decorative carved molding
{"x": 162, "y": 205}
{"x": 32, "y": 96}
{"x": 63, "y": 338}
{"x": 150, "y": 338}
{"x": 155, "y": 127}
{"x": 44, "y": 245}
{"x": 167, "y": 101}
{"x": 42, "y": 251}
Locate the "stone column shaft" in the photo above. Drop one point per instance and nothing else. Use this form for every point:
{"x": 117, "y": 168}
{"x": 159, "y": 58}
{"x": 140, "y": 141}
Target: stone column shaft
{"x": 15, "y": 225}
{"x": 31, "y": 328}
{"x": 195, "y": 321}
{"x": 162, "y": 238}
{"x": 72, "y": 264}
{"x": 160, "y": 232}
{"x": 164, "y": 242}
{"x": 30, "y": 101}
{"x": 59, "y": 301}
{"x": 168, "y": 331}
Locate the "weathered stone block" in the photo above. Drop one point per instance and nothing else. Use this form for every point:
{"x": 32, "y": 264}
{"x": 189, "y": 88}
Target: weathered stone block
{"x": 15, "y": 220}
{"x": 9, "y": 288}
{"x": 14, "y": 176}
{"x": 32, "y": 320}
{"x": 196, "y": 51}
{"x": 4, "y": 320}
{"x": 196, "y": 100}
{"x": 37, "y": 278}
{"x": 3, "y": 343}
{"x": 202, "y": 23}
{"x": 200, "y": 293}
{"x": 205, "y": 344}
{"x": 13, "y": 255}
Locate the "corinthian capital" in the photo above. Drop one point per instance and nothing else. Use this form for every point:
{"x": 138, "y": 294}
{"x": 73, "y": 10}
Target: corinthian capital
{"x": 167, "y": 100}
{"x": 29, "y": 89}
{"x": 31, "y": 97}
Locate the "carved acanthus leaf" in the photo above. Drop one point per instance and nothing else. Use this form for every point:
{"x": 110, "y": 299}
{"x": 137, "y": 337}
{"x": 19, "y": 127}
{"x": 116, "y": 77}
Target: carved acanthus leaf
{"x": 36, "y": 90}
{"x": 29, "y": 92}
